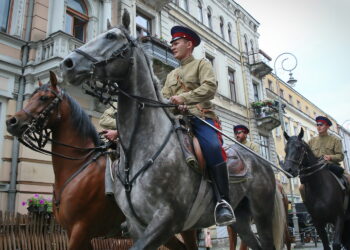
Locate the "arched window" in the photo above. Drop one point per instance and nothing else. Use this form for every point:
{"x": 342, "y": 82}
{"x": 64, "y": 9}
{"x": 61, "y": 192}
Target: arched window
{"x": 210, "y": 25}
{"x": 183, "y": 4}
{"x": 222, "y": 27}
{"x": 76, "y": 19}
{"x": 200, "y": 11}
{"x": 229, "y": 33}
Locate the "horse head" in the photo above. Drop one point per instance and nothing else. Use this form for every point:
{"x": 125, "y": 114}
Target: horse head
{"x": 295, "y": 150}
{"x": 107, "y": 57}
{"x": 40, "y": 111}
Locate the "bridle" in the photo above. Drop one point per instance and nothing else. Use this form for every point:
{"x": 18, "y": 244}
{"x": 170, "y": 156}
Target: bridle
{"x": 36, "y": 135}
{"x": 306, "y": 170}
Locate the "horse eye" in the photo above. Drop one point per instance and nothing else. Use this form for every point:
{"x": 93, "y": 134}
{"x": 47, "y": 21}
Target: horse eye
{"x": 111, "y": 36}
{"x": 44, "y": 98}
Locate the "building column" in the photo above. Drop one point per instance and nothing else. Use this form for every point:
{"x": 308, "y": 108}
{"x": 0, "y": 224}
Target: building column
{"x": 56, "y": 16}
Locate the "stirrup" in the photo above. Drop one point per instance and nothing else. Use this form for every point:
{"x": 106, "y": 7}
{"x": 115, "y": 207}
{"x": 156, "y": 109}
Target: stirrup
{"x": 227, "y": 205}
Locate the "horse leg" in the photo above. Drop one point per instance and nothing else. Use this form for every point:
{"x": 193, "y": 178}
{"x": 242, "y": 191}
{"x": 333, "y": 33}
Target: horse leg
{"x": 190, "y": 239}
{"x": 158, "y": 231}
{"x": 79, "y": 239}
{"x": 321, "y": 231}
{"x": 242, "y": 226}
{"x": 339, "y": 225}
{"x": 174, "y": 244}
{"x": 232, "y": 238}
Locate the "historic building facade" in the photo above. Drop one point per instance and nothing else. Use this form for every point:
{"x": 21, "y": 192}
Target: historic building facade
{"x": 37, "y": 34}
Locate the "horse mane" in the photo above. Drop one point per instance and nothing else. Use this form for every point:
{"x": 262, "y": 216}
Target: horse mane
{"x": 156, "y": 82}
{"x": 79, "y": 119}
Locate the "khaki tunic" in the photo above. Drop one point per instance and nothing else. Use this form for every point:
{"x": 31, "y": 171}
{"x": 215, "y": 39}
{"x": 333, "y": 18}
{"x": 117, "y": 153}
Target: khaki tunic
{"x": 327, "y": 145}
{"x": 107, "y": 119}
{"x": 195, "y": 82}
{"x": 253, "y": 146}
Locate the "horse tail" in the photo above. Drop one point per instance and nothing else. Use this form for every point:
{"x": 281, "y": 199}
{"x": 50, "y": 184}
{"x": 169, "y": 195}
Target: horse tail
{"x": 278, "y": 221}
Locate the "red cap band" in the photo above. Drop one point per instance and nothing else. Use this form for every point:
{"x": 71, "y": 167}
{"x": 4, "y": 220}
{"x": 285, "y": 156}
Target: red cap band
{"x": 186, "y": 36}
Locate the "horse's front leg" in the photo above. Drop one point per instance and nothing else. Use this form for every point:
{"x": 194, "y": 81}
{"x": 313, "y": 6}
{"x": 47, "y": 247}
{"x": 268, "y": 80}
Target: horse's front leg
{"x": 79, "y": 238}
{"x": 338, "y": 231}
{"x": 321, "y": 231}
{"x": 158, "y": 231}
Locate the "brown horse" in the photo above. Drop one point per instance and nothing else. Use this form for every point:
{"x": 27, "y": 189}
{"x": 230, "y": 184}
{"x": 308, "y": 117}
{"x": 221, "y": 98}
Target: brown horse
{"x": 80, "y": 204}
{"x": 287, "y": 239}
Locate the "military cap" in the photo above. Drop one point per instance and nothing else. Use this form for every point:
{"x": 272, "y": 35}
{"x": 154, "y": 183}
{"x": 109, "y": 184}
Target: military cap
{"x": 178, "y": 32}
{"x": 240, "y": 128}
{"x": 324, "y": 120}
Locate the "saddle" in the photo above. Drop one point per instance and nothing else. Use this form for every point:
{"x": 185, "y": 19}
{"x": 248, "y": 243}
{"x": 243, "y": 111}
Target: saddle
{"x": 194, "y": 155}
{"x": 344, "y": 183}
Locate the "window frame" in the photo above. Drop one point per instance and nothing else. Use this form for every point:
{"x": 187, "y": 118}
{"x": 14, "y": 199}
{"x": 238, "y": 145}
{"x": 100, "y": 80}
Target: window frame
{"x": 264, "y": 146}
{"x": 200, "y": 11}
{"x": 229, "y": 32}
{"x": 209, "y": 17}
{"x": 9, "y": 17}
{"x": 232, "y": 84}
{"x": 222, "y": 30}
{"x": 256, "y": 91}
{"x": 78, "y": 15}
{"x": 149, "y": 19}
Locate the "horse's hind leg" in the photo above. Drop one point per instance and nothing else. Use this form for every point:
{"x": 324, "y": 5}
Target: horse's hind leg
{"x": 339, "y": 225}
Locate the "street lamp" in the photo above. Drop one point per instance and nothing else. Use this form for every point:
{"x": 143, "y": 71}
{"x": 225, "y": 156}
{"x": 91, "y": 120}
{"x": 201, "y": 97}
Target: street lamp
{"x": 292, "y": 81}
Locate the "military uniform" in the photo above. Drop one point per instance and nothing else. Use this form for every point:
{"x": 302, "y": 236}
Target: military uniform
{"x": 253, "y": 146}
{"x": 108, "y": 119}
{"x": 327, "y": 145}
{"x": 195, "y": 82}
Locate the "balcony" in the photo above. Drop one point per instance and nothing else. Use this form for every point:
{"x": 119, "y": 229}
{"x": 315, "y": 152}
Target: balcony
{"x": 159, "y": 49}
{"x": 57, "y": 45}
{"x": 266, "y": 114}
{"x": 259, "y": 64}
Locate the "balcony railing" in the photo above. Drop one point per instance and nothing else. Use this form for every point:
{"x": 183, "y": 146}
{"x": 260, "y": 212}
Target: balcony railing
{"x": 266, "y": 115}
{"x": 58, "y": 44}
{"x": 159, "y": 49}
{"x": 259, "y": 64}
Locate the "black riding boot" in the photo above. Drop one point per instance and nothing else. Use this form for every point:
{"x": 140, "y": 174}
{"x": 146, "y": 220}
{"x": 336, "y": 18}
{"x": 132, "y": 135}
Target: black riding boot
{"x": 224, "y": 214}
{"x": 336, "y": 169}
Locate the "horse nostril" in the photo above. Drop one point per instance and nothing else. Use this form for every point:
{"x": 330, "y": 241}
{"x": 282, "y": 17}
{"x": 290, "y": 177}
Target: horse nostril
{"x": 68, "y": 63}
{"x": 12, "y": 121}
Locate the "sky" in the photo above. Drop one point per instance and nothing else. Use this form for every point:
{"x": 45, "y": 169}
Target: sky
{"x": 317, "y": 32}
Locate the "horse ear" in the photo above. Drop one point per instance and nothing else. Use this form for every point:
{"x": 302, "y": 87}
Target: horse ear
{"x": 39, "y": 82}
{"x": 53, "y": 80}
{"x": 109, "y": 26}
{"x": 301, "y": 134}
{"x": 286, "y": 135}
{"x": 126, "y": 19}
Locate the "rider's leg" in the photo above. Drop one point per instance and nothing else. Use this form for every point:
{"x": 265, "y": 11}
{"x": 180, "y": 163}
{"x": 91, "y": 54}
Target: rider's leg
{"x": 215, "y": 157}
{"x": 337, "y": 170}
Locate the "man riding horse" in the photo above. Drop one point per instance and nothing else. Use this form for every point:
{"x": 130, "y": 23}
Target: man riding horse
{"x": 191, "y": 86}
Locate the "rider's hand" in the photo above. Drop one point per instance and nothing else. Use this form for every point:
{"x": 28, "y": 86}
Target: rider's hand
{"x": 182, "y": 107}
{"x": 177, "y": 100}
{"x": 327, "y": 157}
{"x": 110, "y": 134}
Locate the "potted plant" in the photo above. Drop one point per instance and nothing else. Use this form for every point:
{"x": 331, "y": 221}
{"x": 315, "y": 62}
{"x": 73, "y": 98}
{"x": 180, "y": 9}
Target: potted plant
{"x": 38, "y": 205}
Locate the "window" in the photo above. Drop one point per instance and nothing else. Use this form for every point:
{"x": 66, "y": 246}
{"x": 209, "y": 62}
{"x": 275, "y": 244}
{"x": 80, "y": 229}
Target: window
{"x": 143, "y": 25}
{"x": 270, "y": 85}
{"x": 307, "y": 110}
{"x": 222, "y": 27}
{"x": 278, "y": 131}
{"x": 295, "y": 130}
{"x": 299, "y": 105}
{"x": 291, "y": 99}
{"x": 76, "y": 19}
{"x": 246, "y": 44}
{"x": 4, "y": 14}
{"x": 200, "y": 11}
{"x": 256, "y": 92}
{"x": 264, "y": 146}
{"x": 231, "y": 80}
{"x": 281, "y": 93}
{"x": 210, "y": 25}
{"x": 314, "y": 114}
{"x": 286, "y": 126}
{"x": 229, "y": 33}
{"x": 183, "y": 4}
{"x": 252, "y": 46}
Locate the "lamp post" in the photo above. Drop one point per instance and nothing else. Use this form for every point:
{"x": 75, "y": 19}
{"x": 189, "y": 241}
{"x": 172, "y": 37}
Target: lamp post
{"x": 292, "y": 81}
